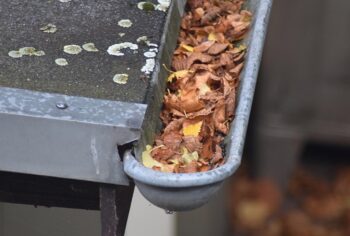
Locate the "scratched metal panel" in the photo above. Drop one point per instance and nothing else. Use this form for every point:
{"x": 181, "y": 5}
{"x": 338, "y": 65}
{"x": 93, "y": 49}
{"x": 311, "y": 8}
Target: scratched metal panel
{"x": 64, "y": 136}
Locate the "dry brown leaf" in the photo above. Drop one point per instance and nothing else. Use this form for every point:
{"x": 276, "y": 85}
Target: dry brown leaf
{"x": 190, "y": 102}
{"x": 193, "y": 4}
{"x": 237, "y": 69}
{"x": 217, "y": 156}
{"x": 190, "y": 168}
{"x": 198, "y": 57}
{"x": 179, "y": 62}
{"x": 162, "y": 153}
{"x": 198, "y": 13}
{"x": 192, "y": 144}
{"x": 219, "y": 117}
{"x": 217, "y": 48}
{"x": 203, "y": 46}
{"x": 230, "y": 104}
{"x": 174, "y": 125}
{"x": 210, "y": 15}
{"x": 172, "y": 140}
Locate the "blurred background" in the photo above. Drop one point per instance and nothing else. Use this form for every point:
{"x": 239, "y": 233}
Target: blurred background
{"x": 295, "y": 177}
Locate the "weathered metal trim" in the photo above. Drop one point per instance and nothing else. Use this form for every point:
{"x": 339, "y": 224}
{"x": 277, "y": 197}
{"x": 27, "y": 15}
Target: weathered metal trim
{"x": 65, "y": 136}
{"x": 80, "y": 109}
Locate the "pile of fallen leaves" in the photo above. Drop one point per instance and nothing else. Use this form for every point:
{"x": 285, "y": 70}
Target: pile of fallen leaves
{"x": 313, "y": 206}
{"x": 200, "y": 100}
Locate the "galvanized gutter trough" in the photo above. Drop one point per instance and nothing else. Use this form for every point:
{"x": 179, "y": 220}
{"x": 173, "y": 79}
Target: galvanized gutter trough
{"x": 179, "y": 192}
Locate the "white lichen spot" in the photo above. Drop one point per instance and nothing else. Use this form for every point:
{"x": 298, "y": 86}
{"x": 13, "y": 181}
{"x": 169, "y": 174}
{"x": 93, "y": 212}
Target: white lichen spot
{"x": 143, "y": 39}
{"x": 64, "y": 0}
{"x": 121, "y": 34}
{"x": 72, "y": 49}
{"x": 153, "y": 49}
{"x": 163, "y": 5}
{"x": 149, "y": 66}
{"x": 115, "y": 49}
{"x": 153, "y": 45}
{"x": 90, "y": 47}
{"x": 39, "y": 53}
{"x": 125, "y": 23}
{"x": 61, "y": 62}
{"x": 146, "y": 6}
{"x": 15, "y": 54}
{"x": 49, "y": 28}
{"x": 150, "y": 54}
{"x": 27, "y": 51}
{"x": 120, "y": 78}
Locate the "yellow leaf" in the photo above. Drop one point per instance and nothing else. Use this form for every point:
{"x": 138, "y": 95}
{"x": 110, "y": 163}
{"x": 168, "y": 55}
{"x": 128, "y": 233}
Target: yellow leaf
{"x": 148, "y": 160}
{"x": 168, "y": 168}
{"x": 192, "y": 130}
{"x": 189, "y": 157}
{"x": 212, "y": 37}
{"x": 203, "y": 89}
{"x": 178, "y": 74}
{"x": 240, "y": 48}
{"x": 186, "y": 47}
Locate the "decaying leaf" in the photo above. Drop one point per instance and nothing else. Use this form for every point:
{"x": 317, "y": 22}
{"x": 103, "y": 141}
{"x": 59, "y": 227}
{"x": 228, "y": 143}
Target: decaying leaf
{"x": 148, "y": 160}
{"x": 187, "y": 157}
{"x": 203, "y": 89}
{"x": 178, "y": 74}
{"x": 212, "y": 37}
{"x": 186, "y": 47}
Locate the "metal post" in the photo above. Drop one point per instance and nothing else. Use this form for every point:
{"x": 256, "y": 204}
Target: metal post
{"x": 115, "y": 204}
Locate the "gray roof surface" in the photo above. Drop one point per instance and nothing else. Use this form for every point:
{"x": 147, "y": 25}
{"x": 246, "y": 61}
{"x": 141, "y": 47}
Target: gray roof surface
{"x": 88, "y": 74}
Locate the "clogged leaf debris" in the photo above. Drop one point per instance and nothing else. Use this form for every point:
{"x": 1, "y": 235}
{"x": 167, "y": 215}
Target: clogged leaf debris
{"x": 201, "y": 95}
